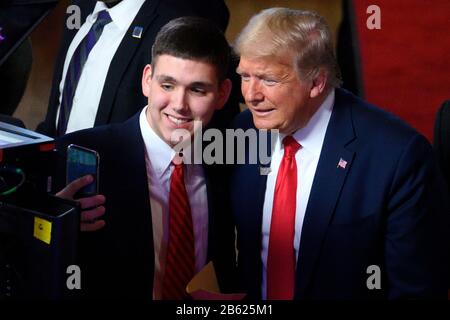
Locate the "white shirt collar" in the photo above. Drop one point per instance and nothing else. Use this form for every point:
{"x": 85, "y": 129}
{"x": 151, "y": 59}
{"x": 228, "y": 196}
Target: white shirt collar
{"x": 311, "y": 136}
{"x": 161, "y": 153}
{"x": 122, "y": 14}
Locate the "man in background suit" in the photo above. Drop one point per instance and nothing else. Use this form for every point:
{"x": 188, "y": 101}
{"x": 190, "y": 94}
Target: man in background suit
{"x": 108, "y": 89}
{"x": 127, "y": 255}
{"x": 351, "y": 205}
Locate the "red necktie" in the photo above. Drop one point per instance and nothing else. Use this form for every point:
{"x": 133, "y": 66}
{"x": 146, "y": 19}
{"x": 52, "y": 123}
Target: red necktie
{"x": 281, "y": 258}
{"x": 180, "y": 260}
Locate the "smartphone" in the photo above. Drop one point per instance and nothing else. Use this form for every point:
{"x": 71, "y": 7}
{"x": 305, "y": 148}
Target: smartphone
{"x": 80, "y": 162}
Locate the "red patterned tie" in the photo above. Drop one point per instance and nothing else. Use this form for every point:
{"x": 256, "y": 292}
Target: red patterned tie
{"x": 180, "y": 260}
{"x": 281, "y": 258}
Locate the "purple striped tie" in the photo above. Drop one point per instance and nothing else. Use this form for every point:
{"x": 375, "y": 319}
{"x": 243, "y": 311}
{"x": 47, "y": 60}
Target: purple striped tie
{"x": 76, "y": 67}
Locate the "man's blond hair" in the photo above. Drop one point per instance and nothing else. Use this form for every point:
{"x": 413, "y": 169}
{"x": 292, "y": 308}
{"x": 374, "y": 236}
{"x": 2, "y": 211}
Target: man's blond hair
{"x": 304, "y": 35}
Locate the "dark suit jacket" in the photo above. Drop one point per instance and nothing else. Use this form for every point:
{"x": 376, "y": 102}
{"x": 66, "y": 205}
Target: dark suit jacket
{"x": 442, "y": 139}
{"x": 386, "y": 208}
{"x": 118, "y": 260}
{"x": 122, "y": 93}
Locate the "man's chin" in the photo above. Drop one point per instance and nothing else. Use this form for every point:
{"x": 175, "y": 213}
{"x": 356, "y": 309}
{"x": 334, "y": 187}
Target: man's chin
{"x": 180, "y": 136}
{"x": 264, "y": 124}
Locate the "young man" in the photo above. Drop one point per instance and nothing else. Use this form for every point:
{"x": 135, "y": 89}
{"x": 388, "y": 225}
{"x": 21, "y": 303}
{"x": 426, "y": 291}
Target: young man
{"x": 352, "y": 206}
{"x": 162, "y": 220}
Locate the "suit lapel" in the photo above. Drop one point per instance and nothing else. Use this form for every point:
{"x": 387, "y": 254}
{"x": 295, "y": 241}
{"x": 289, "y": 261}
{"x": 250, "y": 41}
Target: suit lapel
{"x": 68, "y": 35}
{"x": 260, "y": 192}
{"x": 86, "y": 9}
{"x": 122, "y": 58}
{"x": 258, "y": 175}
{"x": 328, "y": 182}
{"x": 139, "y": 234}
{"x": 211, "y": 204}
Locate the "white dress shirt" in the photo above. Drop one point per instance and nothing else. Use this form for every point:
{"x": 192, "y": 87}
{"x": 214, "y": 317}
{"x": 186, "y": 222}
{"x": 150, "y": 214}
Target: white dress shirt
{"x": 159, "y": 157}
{"x": 311, "y": 139}
{"x": 90, "y": 85}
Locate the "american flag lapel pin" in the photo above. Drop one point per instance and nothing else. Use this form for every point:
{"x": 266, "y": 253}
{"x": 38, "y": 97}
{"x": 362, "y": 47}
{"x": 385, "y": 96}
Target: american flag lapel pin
{"x": 137, "y": 32}
{"x": 341, "y": 164}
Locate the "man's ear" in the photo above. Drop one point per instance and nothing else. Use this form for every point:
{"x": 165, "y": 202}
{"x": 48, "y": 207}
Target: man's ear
{"x": 318, "y": 84}
{"x": 146, "y": 80}
{"x": 224, "y": 93}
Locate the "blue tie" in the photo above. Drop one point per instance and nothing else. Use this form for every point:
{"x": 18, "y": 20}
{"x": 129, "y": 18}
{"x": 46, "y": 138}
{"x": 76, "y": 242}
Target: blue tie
{"x": 76, "y": 67}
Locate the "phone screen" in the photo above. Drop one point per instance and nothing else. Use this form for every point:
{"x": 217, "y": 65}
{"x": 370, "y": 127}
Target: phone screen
{"x": 80, "y": 162}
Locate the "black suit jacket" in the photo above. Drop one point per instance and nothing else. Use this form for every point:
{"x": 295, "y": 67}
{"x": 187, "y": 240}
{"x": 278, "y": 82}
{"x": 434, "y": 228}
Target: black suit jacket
{"x": 122, "y": 93}
{"x": 118, "y": 260}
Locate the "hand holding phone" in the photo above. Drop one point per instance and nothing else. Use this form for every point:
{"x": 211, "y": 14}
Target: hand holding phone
{"x": 92, "y": 207}
{"x": 80, "y": 162}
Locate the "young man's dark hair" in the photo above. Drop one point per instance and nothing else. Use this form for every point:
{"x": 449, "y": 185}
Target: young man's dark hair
{"x": 195, "y": 39}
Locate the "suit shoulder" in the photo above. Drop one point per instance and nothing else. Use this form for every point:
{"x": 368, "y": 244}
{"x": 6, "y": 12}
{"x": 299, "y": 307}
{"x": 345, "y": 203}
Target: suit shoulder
{"x": 372, "y": 122}
{"x": 243, "y": 120}
{"x": 94, "y": 138}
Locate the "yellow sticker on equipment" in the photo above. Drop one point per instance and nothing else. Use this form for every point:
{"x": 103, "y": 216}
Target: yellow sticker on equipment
{"x": 42, "y": 230}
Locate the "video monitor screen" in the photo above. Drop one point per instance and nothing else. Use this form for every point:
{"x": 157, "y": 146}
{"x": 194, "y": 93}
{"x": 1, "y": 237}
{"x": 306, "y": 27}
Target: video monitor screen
{"x": 13, "y": 136}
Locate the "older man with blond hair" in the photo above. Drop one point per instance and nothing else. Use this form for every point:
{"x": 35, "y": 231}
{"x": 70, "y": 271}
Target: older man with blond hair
{"x": 351, "y": 205}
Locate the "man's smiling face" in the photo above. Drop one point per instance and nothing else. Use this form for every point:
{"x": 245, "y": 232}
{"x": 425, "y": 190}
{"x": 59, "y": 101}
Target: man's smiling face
{"x": 181, "y": 91}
